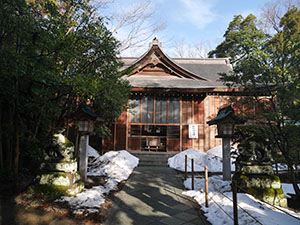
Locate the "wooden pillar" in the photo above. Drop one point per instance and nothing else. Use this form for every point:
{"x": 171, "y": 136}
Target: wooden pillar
{"x": 115, "y": 135}
{"x": 180, "y": 120}
{"x": 127, "y": 129}
{"x": 235, "y": 205}
{"x": 192, "y": 120}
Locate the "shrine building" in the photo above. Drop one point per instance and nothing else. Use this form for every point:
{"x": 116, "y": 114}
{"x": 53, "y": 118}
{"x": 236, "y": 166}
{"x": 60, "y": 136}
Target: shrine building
{"x": 172, "y": 100}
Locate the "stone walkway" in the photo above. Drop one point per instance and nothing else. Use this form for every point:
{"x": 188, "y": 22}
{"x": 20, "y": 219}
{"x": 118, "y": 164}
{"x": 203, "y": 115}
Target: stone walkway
{"x": 153, "y": 195}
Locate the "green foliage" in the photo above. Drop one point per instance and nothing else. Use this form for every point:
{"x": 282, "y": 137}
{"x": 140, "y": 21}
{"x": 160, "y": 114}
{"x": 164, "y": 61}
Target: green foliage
{"x": 260, "y": 134}
{"x": 267, "y": 69}
{"x": 53, "y": 54}
{"x": 241, "y": 38}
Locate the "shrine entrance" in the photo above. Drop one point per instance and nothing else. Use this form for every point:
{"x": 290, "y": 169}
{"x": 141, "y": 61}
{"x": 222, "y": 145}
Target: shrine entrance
{"x": 158, "y": 138}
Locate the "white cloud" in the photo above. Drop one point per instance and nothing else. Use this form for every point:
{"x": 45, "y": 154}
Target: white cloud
{"x": 198, "y": 12}
{"x": 246, "y": 12}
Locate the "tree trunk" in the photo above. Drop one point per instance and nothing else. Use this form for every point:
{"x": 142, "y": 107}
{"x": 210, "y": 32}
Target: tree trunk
{"x": 1, "y": 147}
{"x": 17, "y": 152}
{"x": 1, "y": 153}
{"x": 9, "y": 138}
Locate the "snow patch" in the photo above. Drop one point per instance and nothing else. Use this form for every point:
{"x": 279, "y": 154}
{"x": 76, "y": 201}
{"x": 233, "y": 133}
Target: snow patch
{"x": 218, "y": 203}
{"x": 288, "y": 189}
{"x": 201, "y": 159}
{"x": 115, "y": 166}
{"x": 220, "y": 210}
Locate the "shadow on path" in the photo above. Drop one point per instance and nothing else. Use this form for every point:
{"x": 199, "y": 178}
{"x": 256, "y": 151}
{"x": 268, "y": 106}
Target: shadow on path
{"x": 153, "y": 195}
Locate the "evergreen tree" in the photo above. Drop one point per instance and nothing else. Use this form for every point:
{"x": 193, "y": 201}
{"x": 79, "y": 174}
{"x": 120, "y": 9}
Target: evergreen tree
{"x": 52, "y": 55}
{"x": 267, "y": 69}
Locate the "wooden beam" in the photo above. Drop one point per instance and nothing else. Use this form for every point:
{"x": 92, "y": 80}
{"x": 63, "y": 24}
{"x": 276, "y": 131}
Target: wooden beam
{"x": 180, "y": 121}
{"x": 193, "y": 121}
{"x": 127, "y": 129}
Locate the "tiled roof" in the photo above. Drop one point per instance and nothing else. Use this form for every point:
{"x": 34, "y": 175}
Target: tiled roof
{"x": 207, "y": 69}
{"x": 151, "y": 82}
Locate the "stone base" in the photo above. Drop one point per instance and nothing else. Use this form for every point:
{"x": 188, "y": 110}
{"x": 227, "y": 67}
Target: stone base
{"x": 273, "y": 196}
{"x": 67, "y": 166}
{"x": 59, "y": 179}
{"x": 258, "y": 181}
{"x": 68, "y": 183}
{"x": 266, "y": 188}
{"x": 59, "y": 190}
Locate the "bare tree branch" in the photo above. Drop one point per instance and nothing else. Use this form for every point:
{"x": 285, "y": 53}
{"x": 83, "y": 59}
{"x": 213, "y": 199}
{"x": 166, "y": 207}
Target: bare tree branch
{"x": 198, "y": 49}
{"x": 133, "y": 25}
{"x": 272, "y": 12}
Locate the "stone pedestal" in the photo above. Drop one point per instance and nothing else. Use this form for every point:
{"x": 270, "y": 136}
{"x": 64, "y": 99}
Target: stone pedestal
{"x": 60, "y": 167}
{"x": 254, "y": 168}
{"x": 254, "y": 173}
{"x": 83, "y": 161}
{"x": 226, "y": 159}
{"x": 259, "y": 181}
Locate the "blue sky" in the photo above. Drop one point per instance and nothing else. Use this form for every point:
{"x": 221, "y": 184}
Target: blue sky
{"x": 192, "y": 21}
{"x": 202, "y": 19}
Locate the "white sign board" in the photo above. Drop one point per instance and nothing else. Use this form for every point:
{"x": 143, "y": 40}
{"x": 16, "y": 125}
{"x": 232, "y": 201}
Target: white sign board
{"x": 193, "y": 131}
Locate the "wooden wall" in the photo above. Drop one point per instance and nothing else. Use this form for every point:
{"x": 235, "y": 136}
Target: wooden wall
{"x": 212, "y": 104}
{"x": 202, "y": 111}
{"x": 193, "y": 111}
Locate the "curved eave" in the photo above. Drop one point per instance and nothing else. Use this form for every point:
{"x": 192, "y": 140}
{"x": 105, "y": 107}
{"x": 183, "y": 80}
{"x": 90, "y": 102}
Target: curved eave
{"x": 205, "y": 90}
{"x": 168, "y": 61}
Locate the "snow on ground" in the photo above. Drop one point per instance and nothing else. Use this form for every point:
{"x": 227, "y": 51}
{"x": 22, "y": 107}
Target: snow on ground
{"x": 219, "y": 203}
{"x": 262, "y": 212}
{"x": 215, "y": 181}
{"x": 211, "y": 159}
{"x": 283, "y": 166}
{"x": 91, "y": 152}
{"x": 288, "y": 189}
{"x": 280, "y": 166}
{"x": 115, "y": 166}
{"x": 217, "y": 151}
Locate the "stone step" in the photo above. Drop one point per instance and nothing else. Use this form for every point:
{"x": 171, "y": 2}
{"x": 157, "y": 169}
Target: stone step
{"x": 153, "y": 158}
{"x": 160, "y": 164}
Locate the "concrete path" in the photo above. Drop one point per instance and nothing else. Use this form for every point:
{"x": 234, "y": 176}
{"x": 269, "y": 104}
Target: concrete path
{"x": 153, "y": 195}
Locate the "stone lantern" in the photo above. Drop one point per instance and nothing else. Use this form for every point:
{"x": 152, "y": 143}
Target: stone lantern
{"x": 225, "y": 121}
{"x": 85, "y": 118}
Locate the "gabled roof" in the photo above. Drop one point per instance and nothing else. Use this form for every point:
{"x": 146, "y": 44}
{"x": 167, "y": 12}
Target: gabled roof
{"x": 155, "y": 69}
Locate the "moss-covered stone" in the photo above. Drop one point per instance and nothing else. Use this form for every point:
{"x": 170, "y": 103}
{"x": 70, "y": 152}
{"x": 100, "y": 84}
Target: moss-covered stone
{"x": 68, "y": 143}
{"x": 59, "y": 179}
{"x": 273, "y": 196}
{"x": 56, "y": 191}
{"x": 256, "y": 169}
{"x": 50, "y": 191}
{"x": 60, "y": 148}
{"x": 263, "y": 187}
{"x": 259, "y": 181}
{"x": 62, "y": 166}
